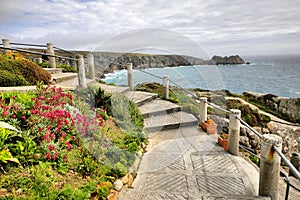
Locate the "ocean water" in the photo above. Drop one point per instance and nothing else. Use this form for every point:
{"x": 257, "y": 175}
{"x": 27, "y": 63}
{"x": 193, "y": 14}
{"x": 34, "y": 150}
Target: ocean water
{"x": 279, "y": 75}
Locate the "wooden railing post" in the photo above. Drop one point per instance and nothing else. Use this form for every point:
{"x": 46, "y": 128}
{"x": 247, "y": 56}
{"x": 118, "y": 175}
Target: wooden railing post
{"x": 91, "y": 66}
{"x": 269, "y": 166}
{"x": 234, "y": 132}
{"x": 166, "y": 87}
{"x": 130, "y": 76}
{"x": 203, "y": 109}
{"x": 81, "y": 72}
{"x": 6, "y": 44}
{"x": 50, "y": 50}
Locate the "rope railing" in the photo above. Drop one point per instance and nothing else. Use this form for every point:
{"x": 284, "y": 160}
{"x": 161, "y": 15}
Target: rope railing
{"x": 66, "y": 51}
{"x": 37, "y": 53}
{"x": 288, "y": 163}
{"x": 26, "y": 44}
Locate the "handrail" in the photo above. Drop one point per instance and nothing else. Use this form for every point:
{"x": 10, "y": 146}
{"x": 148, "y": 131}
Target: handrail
{"x": 289, "y": 164}
{"x": 33, "y": 45}
{"x": 37, "y": 53}
{"x": 66, "y": 51}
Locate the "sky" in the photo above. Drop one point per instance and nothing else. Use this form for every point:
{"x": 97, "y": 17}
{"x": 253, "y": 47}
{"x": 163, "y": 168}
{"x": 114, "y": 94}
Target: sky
{"x": 193, "y": 27}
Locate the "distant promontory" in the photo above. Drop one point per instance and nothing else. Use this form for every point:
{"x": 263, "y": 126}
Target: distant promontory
{"x": 143, "y": 61}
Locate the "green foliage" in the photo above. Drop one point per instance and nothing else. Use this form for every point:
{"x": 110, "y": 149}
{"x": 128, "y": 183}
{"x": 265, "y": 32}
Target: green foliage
{"x": 9, "y": 79}
{"x": 263, "y": 106}
{"x": 250, "y": 116}
{"x": 157, "y": 89}
{"x": 176, "y": 95}
{"x": 126, "y": 113}
{"x": 44, "y": 64}
{"x": 63, "y": 148}
{"x": 67, "y": 68}
{"x": 21, "y": 72}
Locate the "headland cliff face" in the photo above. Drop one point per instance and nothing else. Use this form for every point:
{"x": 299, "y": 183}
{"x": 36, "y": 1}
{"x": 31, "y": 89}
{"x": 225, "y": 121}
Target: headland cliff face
{"x": 108, "y": 62}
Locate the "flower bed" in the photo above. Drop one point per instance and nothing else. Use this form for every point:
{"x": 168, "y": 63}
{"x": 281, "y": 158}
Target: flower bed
{"x": 64, "y": 147}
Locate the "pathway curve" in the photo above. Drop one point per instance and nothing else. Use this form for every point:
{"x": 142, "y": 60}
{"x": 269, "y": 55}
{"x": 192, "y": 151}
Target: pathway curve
{"x": 182, "y": 161}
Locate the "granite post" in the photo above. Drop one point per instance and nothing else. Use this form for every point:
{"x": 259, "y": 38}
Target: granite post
{"x": 269, "y": 166}
{"x": 91, "y": 66}
{"x": 50, "y": 50}
{"x": 166, "y": 87}
{"x": 203, "y": 109}
{"x": 234, "y": 132}
{"x": 81, "y": 72}
{"x": 130, "y": 76}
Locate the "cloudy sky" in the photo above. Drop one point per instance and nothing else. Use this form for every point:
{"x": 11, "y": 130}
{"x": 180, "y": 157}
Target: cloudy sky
{"x": 223, "y": 27}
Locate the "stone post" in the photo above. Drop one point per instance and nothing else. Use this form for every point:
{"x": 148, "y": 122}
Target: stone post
{"x": 50, "y": 50}
{"x": 130, "y": 76}
{"x": 166, "y": 87}
{"x": 234, "y": 132}
{"x": 6, "y": 44}
{"x": 295, "y": 161}
{"x": 203, "y": 109}
{"x": 91, "y": 66}
{"x": 81, "y": 72}
{"x": 269, "y": 166}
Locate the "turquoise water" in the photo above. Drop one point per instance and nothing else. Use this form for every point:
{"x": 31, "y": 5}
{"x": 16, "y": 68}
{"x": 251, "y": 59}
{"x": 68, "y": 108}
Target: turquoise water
{"x": 279, "y": 75}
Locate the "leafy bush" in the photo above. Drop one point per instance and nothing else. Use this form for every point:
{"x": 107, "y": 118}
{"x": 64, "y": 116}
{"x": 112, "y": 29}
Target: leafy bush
{"x": 250, "y": 116}
{"x": 9, "y": 79}
{"x": 67, "y": 68}
{"x": 65, "y": 147}
{"x": 22, "y": 71}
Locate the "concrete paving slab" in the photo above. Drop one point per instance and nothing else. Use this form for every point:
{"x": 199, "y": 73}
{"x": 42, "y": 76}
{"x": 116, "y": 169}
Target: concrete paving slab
{"x": 158, "y": 107}
{"x": 169, "y": 121}
{"x": 140, "y": 98}
{"x": 112, "y": 88}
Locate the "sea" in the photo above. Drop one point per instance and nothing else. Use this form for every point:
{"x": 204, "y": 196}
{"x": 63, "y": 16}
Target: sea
{"x": 278, "y": 75}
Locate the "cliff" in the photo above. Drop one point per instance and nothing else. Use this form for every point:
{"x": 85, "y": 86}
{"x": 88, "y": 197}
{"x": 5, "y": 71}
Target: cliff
{"x": 107, "y": 62}
{"x": 231, "y": 60}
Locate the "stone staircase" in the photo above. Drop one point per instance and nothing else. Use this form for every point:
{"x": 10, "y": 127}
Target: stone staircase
{"x": 183, "y": 162}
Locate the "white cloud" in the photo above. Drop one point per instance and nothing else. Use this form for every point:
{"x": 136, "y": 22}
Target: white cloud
{"x": 222, "y": 26}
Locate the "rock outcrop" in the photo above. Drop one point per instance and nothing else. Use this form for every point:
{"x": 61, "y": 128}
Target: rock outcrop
{"x": 290, "y": 107}
{"x": 231, "y": 60}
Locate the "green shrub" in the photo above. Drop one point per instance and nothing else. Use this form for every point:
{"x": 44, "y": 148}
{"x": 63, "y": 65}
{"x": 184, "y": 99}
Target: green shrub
{"x": 67, "y": 68}
{"x": 21, "y": 70}
{"x": 9, "y": 79}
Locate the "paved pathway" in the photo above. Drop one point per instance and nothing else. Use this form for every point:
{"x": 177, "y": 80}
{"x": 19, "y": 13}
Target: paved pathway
{"x": 183, "y": 162}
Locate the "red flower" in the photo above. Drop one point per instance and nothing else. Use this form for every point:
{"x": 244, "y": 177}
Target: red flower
{"x": 51, "y": 147}
{"x": 40, "y": 129}
{"x": 48, "y": 156}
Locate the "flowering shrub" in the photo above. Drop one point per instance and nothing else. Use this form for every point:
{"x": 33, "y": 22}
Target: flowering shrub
{"x": 52, "y": 125}
{"x": 61, "y": 134}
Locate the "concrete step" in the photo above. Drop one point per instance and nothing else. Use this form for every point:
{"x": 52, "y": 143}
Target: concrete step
{"x": 140, "y": 98}
{"x": 113, "y": 89}
{"x": 169, "y": 121}
{"x": 61, "y": 77}
{"x": 158, "y": 107}
{"x": 53, "y": 70}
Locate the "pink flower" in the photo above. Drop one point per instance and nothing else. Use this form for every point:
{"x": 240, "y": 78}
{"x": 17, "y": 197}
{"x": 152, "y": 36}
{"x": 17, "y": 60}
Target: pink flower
{"x": 48, "y": 156}
{"x": 51, "y": 147}
{"x": 55, "y": 155}
{"x": 40, "y": 129}
{"x": 23, "y": 117}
